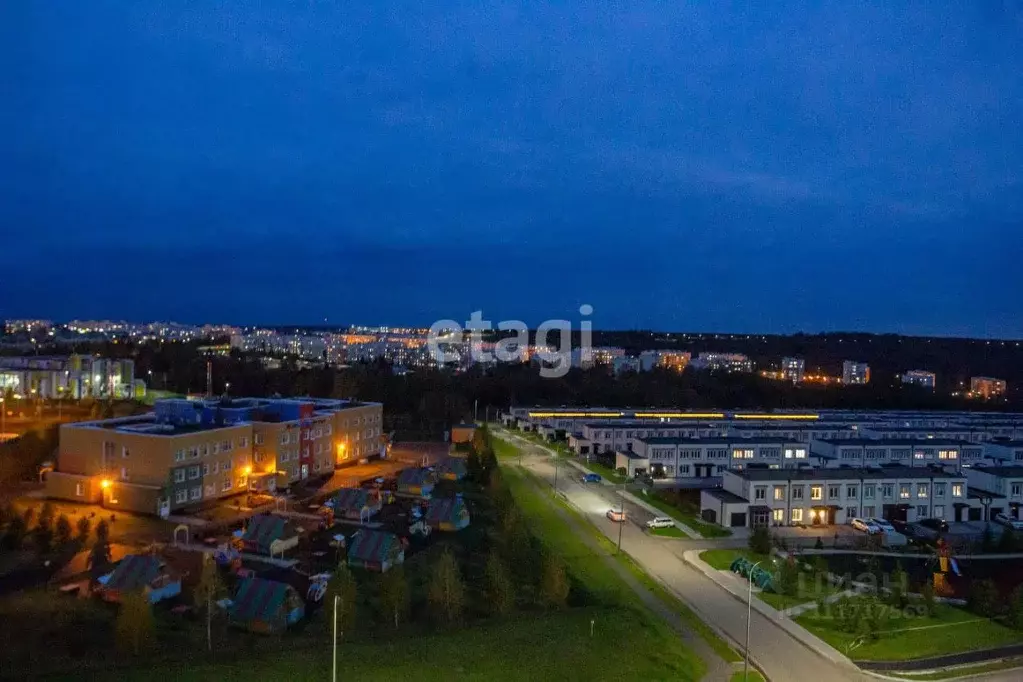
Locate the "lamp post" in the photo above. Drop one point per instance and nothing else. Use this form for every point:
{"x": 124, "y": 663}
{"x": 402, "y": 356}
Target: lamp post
{"x": 3, "y": 417}
{"x": 621, "y": 524}
{"x": 749, "y": 615}
{"x": 334, "y": 678}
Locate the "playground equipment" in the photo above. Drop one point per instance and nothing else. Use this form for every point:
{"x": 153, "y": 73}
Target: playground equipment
{"x": 420, "y": 527}
{"x": 317, "y": 587}
{"x": 942, "y": 588}
{"x": 759, "y": 576}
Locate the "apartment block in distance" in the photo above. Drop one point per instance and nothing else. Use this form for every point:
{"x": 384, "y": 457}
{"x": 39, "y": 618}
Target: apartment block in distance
{"x": 987, "y": 387}
{"x": 793, "y": 369}
{"x": 855, "y": 373}
{"x": 919, "y": 377}
{"x": 187, "y": 453}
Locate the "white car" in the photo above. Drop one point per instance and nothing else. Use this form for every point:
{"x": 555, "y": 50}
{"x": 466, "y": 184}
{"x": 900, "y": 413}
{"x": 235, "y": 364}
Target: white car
{"x": 864, "y": 525}
{"x": 882, "y": 525}
{"x": 1006, "y": 520}
{"x": 660, "y": 522}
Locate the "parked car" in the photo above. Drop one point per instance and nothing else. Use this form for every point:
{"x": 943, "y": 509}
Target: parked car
{"x": 660, "y": 522}
{"x": 1006, "y": 520}
{"x": 616, "y": 515}
{"x": 865, "y": 525}
{"x": 883, "y": 525}
{"x": 591, "y": 478}
{"x": 937, "y": 525}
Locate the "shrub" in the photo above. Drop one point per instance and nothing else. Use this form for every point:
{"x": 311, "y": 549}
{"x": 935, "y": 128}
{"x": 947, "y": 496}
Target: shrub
{"x": 983, "y": 598}
{"x": 760, "y": 540}
{"x": 554, "y": 585}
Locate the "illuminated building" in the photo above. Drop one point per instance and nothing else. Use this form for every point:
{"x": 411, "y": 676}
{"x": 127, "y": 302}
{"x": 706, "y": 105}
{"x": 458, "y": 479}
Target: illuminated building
{"x": 987, "y": 387}
{"x": 855, "y": 373}
{"x": 793, "y": 369}
{"x": 919, "y": 377}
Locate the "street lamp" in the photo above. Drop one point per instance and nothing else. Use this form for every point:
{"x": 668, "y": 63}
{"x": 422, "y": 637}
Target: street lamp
{"x": 621, "y": 524}
{"x": 749, "y": 615}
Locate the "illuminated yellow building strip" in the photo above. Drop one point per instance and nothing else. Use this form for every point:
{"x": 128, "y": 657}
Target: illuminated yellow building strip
{"x": 777, "y": 416}
{"x": 689, "y": 415}
{"x": 568, "y": 415}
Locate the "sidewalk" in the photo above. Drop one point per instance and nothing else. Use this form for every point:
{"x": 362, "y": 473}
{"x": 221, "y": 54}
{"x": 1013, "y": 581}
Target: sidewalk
{"x": 810, "y": 641}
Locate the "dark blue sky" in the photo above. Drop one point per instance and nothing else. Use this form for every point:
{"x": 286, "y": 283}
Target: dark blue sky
{"x": 678, "y": 165}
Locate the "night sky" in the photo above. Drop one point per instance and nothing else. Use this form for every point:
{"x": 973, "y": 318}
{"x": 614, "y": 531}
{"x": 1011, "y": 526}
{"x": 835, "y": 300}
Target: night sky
{"x": 677, "y": 165}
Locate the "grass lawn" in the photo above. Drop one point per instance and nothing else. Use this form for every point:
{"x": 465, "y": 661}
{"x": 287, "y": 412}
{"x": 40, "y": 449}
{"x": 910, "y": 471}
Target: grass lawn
{"x": 551, "y": 646}
{"x": 810, "y": 593}
{"x": 605, "y": 471}
{"x": 722, "y": 559}
{"x": 963, "y": 671}
{"x": 669, "y": 532}
{"x": 707, "y": 530}
{"x": 504, "y": 449}
{"x": 754, "y": 676}
{"x": 902, "y": 637}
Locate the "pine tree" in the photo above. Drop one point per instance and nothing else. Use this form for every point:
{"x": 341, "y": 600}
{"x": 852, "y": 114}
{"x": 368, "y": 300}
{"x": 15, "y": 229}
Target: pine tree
{"x": 554, "y": 584}
{"x": 343, "y": 586}
{"x": 63, "y": 530}
{"x": 394, "y": 595}
{"x": 84, "y": 526}
{"x": 134, "y": 626}
{"x": 498, "y": 588}
{"x": 446, "y": 593}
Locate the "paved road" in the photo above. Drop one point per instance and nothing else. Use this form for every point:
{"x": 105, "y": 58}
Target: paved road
{"x": 780, "y": 655}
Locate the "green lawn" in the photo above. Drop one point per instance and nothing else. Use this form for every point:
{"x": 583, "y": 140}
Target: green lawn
{"x": 722, "y": 559}
{"x": 542, "y": 646}
{"x": 669, "y": 532}
{"x": 707, "y": 530}
{"x": 965, "y": 670}
{"x": 904, "y": 637}
{"x": 754, "y": 676}
{"x": 606, "y": 472}
{"x": 504, "y": 449}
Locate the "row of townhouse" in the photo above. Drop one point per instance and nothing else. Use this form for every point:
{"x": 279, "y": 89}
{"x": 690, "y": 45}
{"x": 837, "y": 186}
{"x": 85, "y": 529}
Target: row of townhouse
{"x": 821, "y": 496}
{"x": 192, "y": 452}
{"x": 708, "y": 457}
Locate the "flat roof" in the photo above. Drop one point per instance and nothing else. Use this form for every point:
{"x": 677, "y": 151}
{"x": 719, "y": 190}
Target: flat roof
{"x": 726, "y": 497}
{"x": 885, "y": 442}
{"x": 716, "y": 440}
{"x": 840, "y": 474}
{"x": 1002, "y": 472}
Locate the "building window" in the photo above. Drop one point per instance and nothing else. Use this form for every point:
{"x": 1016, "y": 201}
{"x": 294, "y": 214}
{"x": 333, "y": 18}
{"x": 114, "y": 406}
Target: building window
{"x": 243, "y": 442}
{"x": 216, "y": 448}
{"x": 328, "y": 429}
{"x": 800, "y": 453}
{"x": 1016, "y": 489}
{"x": 957, "y": 490}
{"x": 939, "y": 511}
{"x": 682, "y": 469}
{"x": 947, "y": 454}
{"x": 779, "y": 492}
{"x": 285, "y": 438}
{"x": 797, "y": 492}
{"x": 788, "y": 453}
{"x": 79, "y": 490}
{"x": 258, "y": 439}
{"x": 211, "y": 490}
{"x": 193, "y": 473}
{"x": 226, "y": 485}
{"x": 868, "y": 492}
{"x": 242, "y": 482}
{"x": 195, "y": 493}
{"x": 778, "y": 515}
{"x": 851, "y": 491}
{"x": 227, "y": 446}
{"x": 921, "y": 511}
{"x": 797, "y": 516}
{"x": 206, "y": 469}
{"x": 179, "y": 456}
{"x": 903, "y": 492}
{"x": 834, "y": 492}
{"x": 257, "y": 457}
{"x": 124, "y": 452}
{"x": 850, "y": 512}
{"x": 887, "y": 491}
{"x": 816, "y": 492}
{"x": 181, "y": 495}
{"x": 939, "y": 490}
{"x": 193, "y": 453}
{"x": 216, "y": 467}
{"x": 742, "y": 454}
{"x": 921, "y": 490}
{"x": 204, "y": 449}
{"x": 226, "y": 466}
{"x": 868, "y": 512}
{"x": 179, "y": 475}
{"x": 759, "y": 493}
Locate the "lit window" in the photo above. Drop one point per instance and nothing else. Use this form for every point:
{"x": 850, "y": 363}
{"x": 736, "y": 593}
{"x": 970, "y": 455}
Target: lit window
{"x": 179, "y": 475}
{"x": 226, "y": 485}
{"x": 957, "y": 490}
{"x": 797, "y": 516}
{"x": 921, "y": 490}
{"x": 778, "y": 515}
{"x": 779, "y": 493}
{"x": 816, "y": 492}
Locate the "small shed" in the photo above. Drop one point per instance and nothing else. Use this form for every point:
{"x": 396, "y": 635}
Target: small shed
{"x": 265, "y": 606}
{"x": 452, "y": 469}
{"x": 463, "y": 433}
{"x": 375, "y": 550}
{"x": 268, "y": 534}
{"x": 356, "y": 503}
{"x": 448, "y": 514}
{"x": 136, "y": 572}
{"x": 416, "y": 481}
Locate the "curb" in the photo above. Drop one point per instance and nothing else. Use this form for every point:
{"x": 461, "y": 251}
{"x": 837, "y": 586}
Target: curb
{"x": 819, "y": 647}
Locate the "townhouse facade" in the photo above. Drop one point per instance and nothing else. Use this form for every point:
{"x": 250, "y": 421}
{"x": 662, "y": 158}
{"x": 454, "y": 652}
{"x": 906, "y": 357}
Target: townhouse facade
{"x": 762, "y": 496}
{"x": 708, "y": 456}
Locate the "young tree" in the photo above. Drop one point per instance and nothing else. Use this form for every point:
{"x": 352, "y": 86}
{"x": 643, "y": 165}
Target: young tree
{"x": 1014, "y": 614}
{"x": 786, "y": 579}
{"x": 83, "y": 527}
{"x": 554, "y": 584}
{"x": 983, "y": 598}
{"x": 343, "y": 586}
{"x": 63, "y": 530}
{"x": 446, "y": 593}
{"x": 987, "y": 540}
{"x": 760, "y": 540}
{"x": 98, "y": 561}
{"x": 207, "y": 591}
{"x": 134, "y": 626}
{"x": 898, "y": 587}
{"x": 103, "y": 531}
{"x": 930, "y": 605}
{"x": 394, "y": 594}
{"x": 498, "y": 588}
{"x": 16, "y": 531}
{"x": 46, "y": 513}
{"x": 42, "y": 534}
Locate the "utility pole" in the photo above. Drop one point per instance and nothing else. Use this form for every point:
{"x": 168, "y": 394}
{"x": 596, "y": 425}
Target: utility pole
{"x": 621, "y": 525}
{"x": 749, "y": 615}
{"x": 334, "y": 678}
{"x": 209, "y": 378}
{"x": 555, "y": 473}
{"x": 475, "y": 410}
